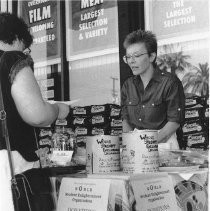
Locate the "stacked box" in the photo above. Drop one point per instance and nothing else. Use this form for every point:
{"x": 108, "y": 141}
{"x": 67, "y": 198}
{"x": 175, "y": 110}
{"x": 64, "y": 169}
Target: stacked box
{"x": 116, "y": 121}
{"x": 45, "y": 137}
{"x": 96, "y": 120}
{"x": 105, "y": 120}
{"x": 195, "y": 129}
{"x": 79, "y": 120}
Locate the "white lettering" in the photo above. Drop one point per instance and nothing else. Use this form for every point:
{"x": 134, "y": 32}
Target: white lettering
{"x": 93, "y": 24}
{"x": 39, "y": 14}
{"x": 90, "y": 15}
{"x": 180, "y": 12}
{"x": 179, "y": 21}
{"x": 45, "y": 38}
{"x": 41, "y": 27}
{"x": 178, "y": 4}
{"x": 96, "y": 33}
{"x": 36, "y": 2}
{"x": 90, "y": 3}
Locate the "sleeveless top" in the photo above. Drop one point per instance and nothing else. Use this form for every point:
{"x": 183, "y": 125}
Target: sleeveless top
{"x": 21, "y": 135}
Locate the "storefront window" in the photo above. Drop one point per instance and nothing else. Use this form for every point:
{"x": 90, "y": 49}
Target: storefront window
{"x": 92, "y": 51}
{"x": 182, "y": 29}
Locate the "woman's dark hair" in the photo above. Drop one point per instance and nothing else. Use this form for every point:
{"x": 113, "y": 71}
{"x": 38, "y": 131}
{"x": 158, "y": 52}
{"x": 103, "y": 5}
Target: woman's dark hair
{"x": 12, "y": 28}
{"x": 141, "y": 36}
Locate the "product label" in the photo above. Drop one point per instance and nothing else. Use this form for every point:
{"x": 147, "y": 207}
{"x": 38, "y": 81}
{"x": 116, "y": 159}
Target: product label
{"x": 97, "y": 109}
{"x": 78, "y": 120}
{"x": 81, "y": 131}
{"x": 115, "y": 112}
{"x": 44, "y": 132}
{"x": 150, "y": 142}
{"x": 189, "y": 127}
{"x": 191, "y": 114}
{"x": 97, "y": 119}
{"x": 195, "y": 139}
{"x": 189, "y": 102}
{"x": 103, "y": 154}
{"x": 139, "y": 152}
{"x": 79, "y": 111}
{"x": 116, "y": 123}
{"x": 116, "y": 132}
{"x": 97, "y": 131}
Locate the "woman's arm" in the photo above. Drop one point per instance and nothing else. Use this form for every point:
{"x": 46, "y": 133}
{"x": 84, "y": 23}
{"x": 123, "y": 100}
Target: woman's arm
{"x": 30, "y": 104}
{"x": 167, "y": 131}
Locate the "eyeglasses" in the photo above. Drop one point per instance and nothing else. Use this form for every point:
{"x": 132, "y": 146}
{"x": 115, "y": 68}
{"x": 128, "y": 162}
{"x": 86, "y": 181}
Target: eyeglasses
{"x": 27, "y": 51}
{"x": 127, "y": 58}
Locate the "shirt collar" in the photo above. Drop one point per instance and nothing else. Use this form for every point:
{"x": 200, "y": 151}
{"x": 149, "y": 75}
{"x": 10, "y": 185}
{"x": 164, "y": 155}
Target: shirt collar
{"x": 156, "y": 76}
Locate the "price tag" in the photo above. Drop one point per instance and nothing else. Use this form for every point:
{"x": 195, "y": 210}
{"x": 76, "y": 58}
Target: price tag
{"x": 83, "y": 194}
{"x": 154, "y": 192}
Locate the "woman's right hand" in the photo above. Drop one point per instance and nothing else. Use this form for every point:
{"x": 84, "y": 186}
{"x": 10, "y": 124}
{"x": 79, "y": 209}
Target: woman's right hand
{"x": 63, "y": 110}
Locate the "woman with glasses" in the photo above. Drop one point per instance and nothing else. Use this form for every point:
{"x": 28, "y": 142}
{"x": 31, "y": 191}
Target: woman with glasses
{"x": 150, "y": 99}
{"x": 23, "y": 102}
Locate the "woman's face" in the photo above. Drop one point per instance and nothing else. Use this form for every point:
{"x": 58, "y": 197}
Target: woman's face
{"x": 138, "y": 58}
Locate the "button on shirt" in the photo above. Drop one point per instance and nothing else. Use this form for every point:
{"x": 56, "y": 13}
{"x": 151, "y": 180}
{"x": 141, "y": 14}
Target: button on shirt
{"x": 161, "y": 101}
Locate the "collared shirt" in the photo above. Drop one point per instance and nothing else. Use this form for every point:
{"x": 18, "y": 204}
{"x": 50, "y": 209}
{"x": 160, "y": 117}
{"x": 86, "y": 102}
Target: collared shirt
{"x": 161, "y": 101}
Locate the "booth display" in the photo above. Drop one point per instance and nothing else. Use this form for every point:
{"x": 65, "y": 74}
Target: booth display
{"x": 178, "y": 175}
{"x": 92, "y": 165}
{"x": 186, "y": 191}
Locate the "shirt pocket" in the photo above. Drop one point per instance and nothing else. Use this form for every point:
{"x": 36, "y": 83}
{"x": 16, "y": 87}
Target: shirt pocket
{"x": 132, "y": 102}
{"x": 132, "y": 106}
{"x": 155, "y": 111}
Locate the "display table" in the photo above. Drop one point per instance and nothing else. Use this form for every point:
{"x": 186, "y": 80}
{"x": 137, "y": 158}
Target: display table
{"x": 62, "y": 171}
{"x": 190, "y": 190}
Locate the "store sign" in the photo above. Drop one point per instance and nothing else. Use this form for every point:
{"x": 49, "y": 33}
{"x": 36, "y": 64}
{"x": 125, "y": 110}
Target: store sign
{"x": 83, "y": 194}
{"x": 92, "y": 26}
{"x": 43, "y": 18}
{"x": 178, "y": 17}
{"x": 156, "y": 192}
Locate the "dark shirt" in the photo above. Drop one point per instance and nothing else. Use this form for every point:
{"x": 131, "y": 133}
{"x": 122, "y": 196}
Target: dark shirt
{"x": 163, "y": 100}
{"x": 22, "y": 137}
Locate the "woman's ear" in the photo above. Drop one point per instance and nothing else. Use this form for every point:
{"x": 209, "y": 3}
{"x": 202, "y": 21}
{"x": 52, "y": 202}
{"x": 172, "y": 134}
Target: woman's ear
{"x": 153, "y": 57}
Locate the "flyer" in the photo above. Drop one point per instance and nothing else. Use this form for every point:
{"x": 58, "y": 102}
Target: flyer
{"x": 83, "y": 194}
{"x": 154, "y": 192}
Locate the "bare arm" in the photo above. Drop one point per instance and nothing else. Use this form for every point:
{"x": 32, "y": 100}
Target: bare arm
{"x": 30, "y": 104}
{"x": 167, "y": 131}
{"x": 126, "y": 126}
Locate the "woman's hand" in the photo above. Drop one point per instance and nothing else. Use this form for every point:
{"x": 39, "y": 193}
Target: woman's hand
{"x": 63, "y": 110}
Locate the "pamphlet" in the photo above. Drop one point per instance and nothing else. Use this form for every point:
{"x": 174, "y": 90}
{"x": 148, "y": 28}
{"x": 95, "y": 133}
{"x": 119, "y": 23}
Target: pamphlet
{"x": 154, "y": 192}
{"x": 78, "y": 194}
